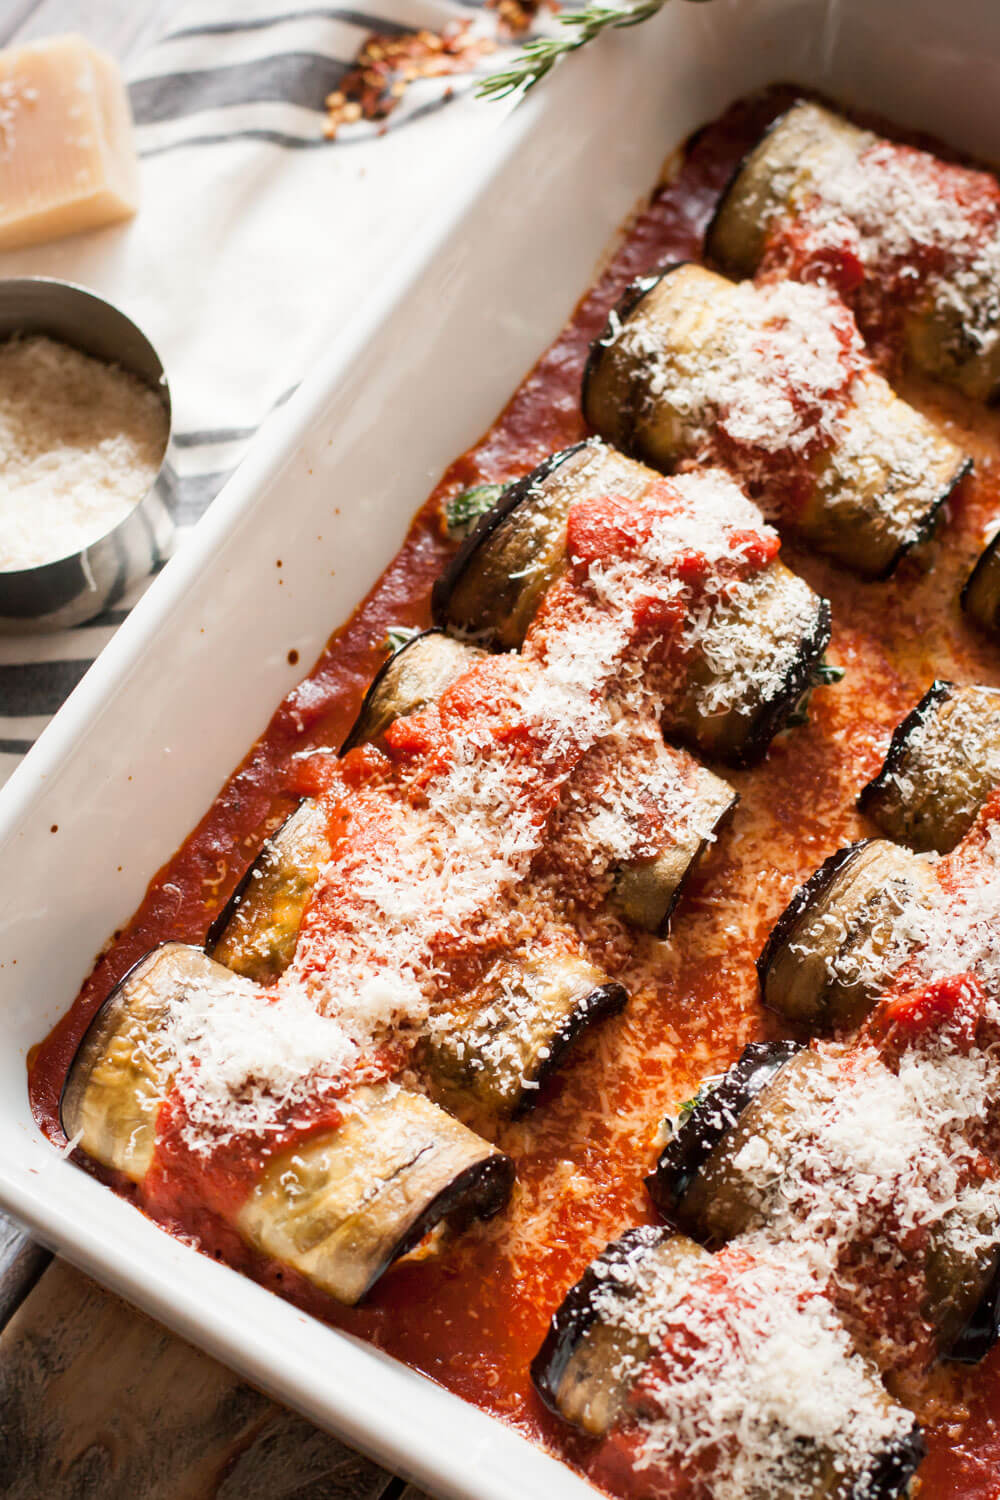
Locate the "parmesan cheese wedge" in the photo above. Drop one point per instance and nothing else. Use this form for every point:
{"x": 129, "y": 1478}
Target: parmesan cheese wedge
{"x": 67, "y": 158}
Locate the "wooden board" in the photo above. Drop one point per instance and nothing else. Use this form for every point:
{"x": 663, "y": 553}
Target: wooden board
{"x": 98, "y": 1400}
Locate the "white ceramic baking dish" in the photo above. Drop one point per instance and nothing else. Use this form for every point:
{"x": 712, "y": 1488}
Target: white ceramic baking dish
{"x": 139, "y": 750}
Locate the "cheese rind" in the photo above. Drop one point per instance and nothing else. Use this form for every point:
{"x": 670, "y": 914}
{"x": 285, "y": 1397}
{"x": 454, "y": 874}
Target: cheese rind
{"x": 67, "y": 156}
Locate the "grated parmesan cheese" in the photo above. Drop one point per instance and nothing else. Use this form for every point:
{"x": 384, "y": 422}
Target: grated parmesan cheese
{"x": 757, "y": 1387}
{"x": 442, "y": 868}
{"x": 889, "y": 206}
{"x": 81, "y": 442}
{"x": 773, "y": 368}
{"x": 241, "y": 1059}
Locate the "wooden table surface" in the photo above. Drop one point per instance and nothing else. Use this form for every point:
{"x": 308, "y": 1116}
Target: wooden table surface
{"x": 98, "y": 1402}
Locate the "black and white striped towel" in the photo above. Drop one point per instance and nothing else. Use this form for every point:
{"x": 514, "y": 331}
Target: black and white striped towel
{"x": 255, "y": 240}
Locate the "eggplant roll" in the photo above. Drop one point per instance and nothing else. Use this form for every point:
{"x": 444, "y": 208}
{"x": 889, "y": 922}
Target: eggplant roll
{"x": 585, "y": 1367}
{"x": 942, "y": 764}
{"x": 414, "y": 676}
{"x": 497, "y": 579}
{"x": 981, "y": 594}
{"x": 257, "y": 931}
{"x": 590, "y": 1372}
{"x": 123, "y": 1067}
{"x": 784, "y": 170}
{"x": 514, "y": 1031}
{"x": 835, "y": 943}
{"x": 688, "y": 1186}
{"x": 645, "y": 891}
{"x": 873, "y": 490}
{"x": 753, "y": 663}
{"x": 754, "y": 658}
{"x": 701, "y": 1184}
{"x": 707, "y": 1185}
{"x": 340, "y": 1208}
{"x": 803, "y": 167}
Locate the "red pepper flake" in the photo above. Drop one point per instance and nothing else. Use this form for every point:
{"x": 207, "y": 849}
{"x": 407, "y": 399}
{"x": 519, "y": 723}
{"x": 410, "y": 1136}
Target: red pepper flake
{"x": 386, "y": 66}
{"x": 515, "y": 17}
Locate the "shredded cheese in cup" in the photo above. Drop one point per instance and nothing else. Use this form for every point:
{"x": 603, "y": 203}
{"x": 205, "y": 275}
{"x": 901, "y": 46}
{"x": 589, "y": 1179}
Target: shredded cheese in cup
{"x": 81, "y": 441}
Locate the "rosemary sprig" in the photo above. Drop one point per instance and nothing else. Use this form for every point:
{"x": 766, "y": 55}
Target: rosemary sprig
{"x": 538, "y": 56}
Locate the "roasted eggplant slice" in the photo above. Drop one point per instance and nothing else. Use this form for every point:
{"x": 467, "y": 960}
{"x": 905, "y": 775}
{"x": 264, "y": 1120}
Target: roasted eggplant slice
{"x": 810, "y": 163}
{"x": 942, "y": 765}
{"x": 707, "y": 1184}
{"x": 514, "y": 1031}
{"x": 981, "y": 594}
{"x": 835, "y": 943}
{"x": 753, "y": 663}
{"x": 656, "y": 386}
{"x": 586, "y": 1365}
{"x": 689, "y": 1185}
{"x": 122, "y": 1070}
{"x": 496, "y": 581}
{"x": 784, "y": 170}
{"x": 257, "y": 930}
{"x": 755, "y": 656}
{"x": 645, "y": 891}
{"x": 414, "y": 676}
{"x": 655, "y": 1292}
{"x": 339, "y": 1208}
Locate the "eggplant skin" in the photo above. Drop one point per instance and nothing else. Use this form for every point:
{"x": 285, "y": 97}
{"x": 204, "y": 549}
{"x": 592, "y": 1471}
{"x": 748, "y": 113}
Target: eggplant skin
{"x": 341, "y": 1207}
{"x": 807, "y": 894}
{"x": 982, "y": 1331}
{"x": 577, "y": 1312}
{"x": 772, "y": 716}
{"x": 624, "y": 425}
{"x": 941, "y": 766}
{"x": 123, "y": 1067}
{"x": 835, "y": 944}
{"x": 607, "y": 1000}
{"x": 485, "y": 1076}
{"x": 709, "y": 249}
{"x": 77, "y": 1075}
{"x": 465, "y": 558}
{"x": 710, "y": 1122}
{"x": 646, "y": 892}
{"x": 256, "y": 932}
{"x": 928, "y": 527}
{"x": 980, "y": 596}
{"x": 890, "y": 1478}
{"x": 225, "y": 915}
{"x": 386, "y": 700}
{"x": 935, "y": 695}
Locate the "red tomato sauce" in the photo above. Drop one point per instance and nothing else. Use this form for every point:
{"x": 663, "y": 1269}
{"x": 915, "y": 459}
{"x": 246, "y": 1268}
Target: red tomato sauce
{"x": 472, "y": 1315}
